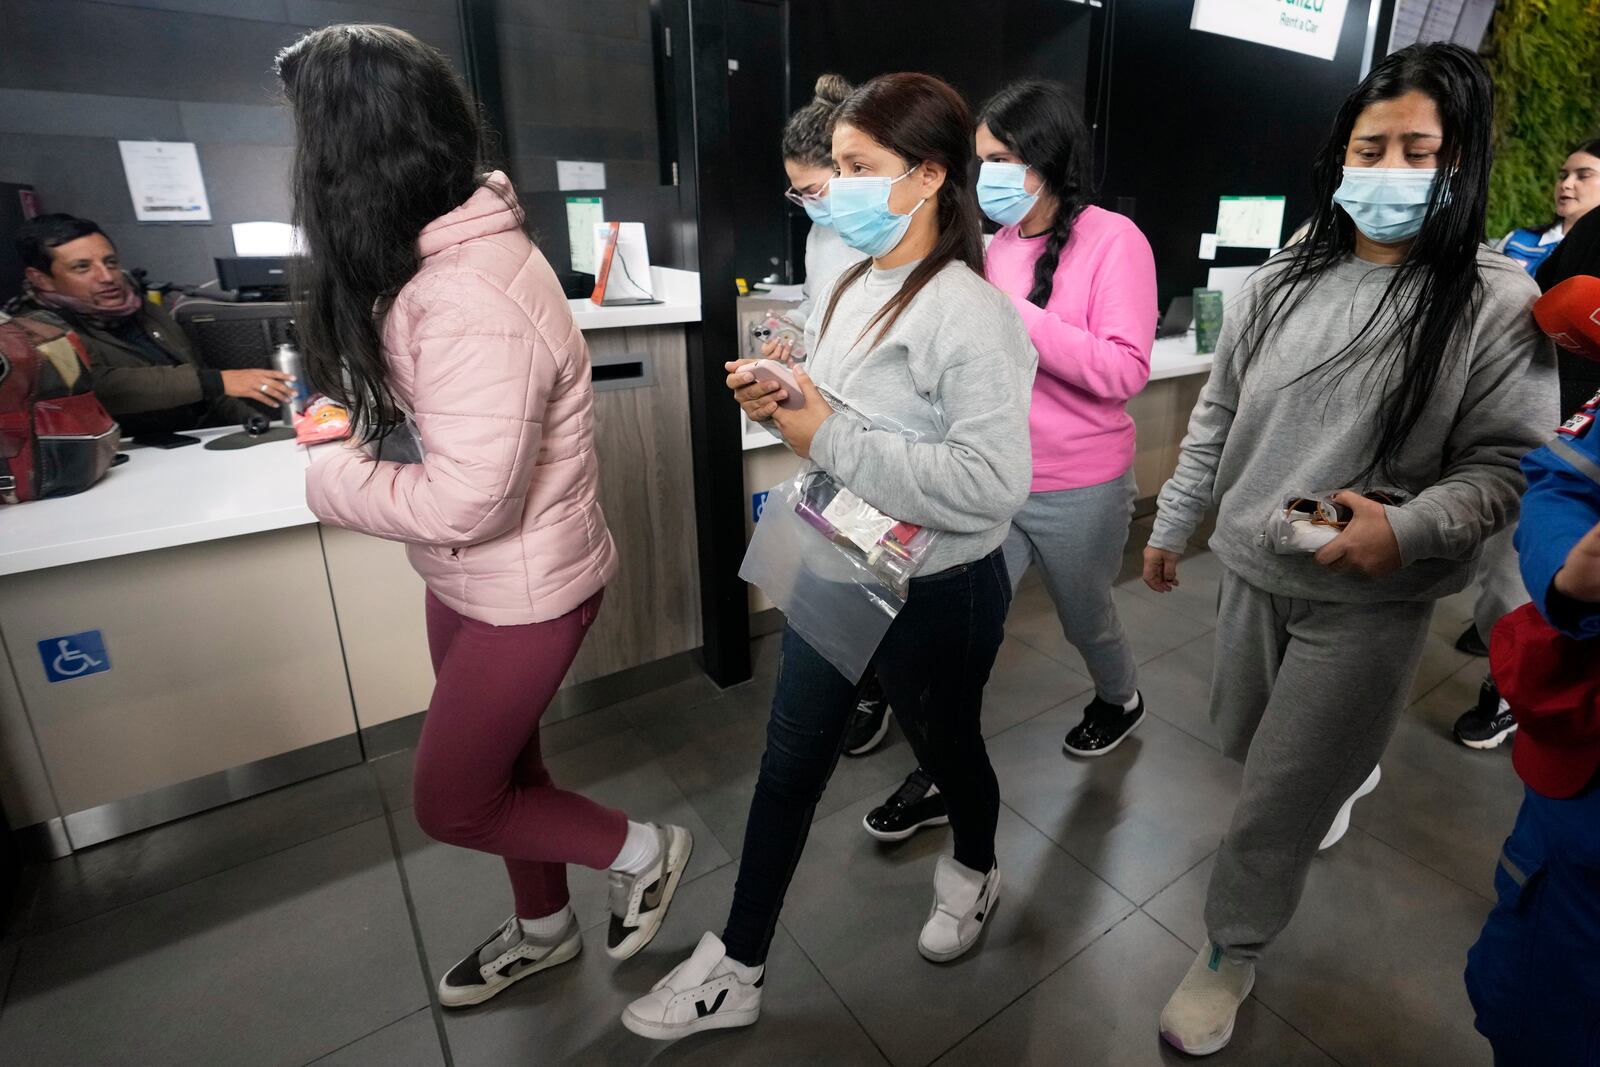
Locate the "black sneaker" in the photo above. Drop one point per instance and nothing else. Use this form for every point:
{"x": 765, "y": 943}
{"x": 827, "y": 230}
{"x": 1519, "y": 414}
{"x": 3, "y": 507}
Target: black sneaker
{"x": 1103, "y": 727}
{"x": 869, "y": 723}
{"x": 917, "y": 803}
{"x": 1487, "y": 724}
{"x": 1471, "y": 642}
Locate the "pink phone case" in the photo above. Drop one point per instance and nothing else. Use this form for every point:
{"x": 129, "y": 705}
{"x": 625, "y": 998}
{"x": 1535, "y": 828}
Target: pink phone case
{"x": 770, "y": 370}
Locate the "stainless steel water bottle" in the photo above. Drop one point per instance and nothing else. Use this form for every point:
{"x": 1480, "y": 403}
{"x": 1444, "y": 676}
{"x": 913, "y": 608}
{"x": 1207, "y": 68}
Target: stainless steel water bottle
{"x": 286, "y": 360}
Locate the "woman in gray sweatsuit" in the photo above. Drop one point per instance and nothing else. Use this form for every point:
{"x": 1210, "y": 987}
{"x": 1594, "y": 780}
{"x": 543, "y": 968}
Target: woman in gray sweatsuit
{"x": 1388, "y": 351}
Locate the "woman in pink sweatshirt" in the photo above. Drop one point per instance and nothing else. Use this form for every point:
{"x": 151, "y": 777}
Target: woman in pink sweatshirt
{"x": 428, "y": 312}
{"x": 1084, "y": 281}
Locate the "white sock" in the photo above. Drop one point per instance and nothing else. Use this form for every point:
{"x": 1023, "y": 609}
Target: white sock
{"x": 548, "y": 926}
{"x": 1132, "y": 702}
{"x": 640, "y": 850}
{"x": 746, "y": 974}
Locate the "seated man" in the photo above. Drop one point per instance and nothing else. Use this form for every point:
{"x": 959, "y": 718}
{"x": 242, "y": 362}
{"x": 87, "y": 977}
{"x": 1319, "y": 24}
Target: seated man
{"x": 144, "y": 371}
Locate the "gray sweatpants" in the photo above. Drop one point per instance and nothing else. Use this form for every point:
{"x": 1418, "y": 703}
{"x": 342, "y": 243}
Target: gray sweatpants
{"x": 1076, "y": 536}
{"x": 1307, "y": 693}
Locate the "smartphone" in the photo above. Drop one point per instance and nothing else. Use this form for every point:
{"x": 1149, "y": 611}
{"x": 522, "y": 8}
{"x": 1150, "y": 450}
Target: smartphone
{"x": 166, "y": 440}
{"x": 770, "y": 370}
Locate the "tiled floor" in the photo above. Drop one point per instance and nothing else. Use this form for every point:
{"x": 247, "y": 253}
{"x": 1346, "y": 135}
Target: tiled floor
{"x": 308, "y": 925}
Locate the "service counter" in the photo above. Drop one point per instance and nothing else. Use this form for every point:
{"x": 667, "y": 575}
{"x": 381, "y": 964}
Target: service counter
{"x": 185, "y": 633}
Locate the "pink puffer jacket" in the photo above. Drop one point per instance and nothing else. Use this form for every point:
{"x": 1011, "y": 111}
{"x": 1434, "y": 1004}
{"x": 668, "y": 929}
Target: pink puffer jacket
{"x": 501, "y": 517}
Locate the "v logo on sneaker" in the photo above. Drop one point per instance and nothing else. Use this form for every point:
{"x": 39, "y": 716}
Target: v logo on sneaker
{"x": 703, "y": 1011}
{"x": 653, "y": 895}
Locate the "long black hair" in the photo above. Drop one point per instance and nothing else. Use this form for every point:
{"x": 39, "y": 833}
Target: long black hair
{"x": 808, "y": 133}
{"x": 920, "y": 119}
{"x": 1407, "y": 342}
{"x": 1040, "y": 123}
{"x": 387, "y": 140}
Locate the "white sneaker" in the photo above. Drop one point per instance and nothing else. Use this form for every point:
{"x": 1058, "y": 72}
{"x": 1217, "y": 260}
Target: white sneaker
{"x": 704, "y": 992}
{"x": 1199, "y": 1017}
{"x": 639, "y": 901}
{"x": 509, "y": 956}
{"x": 962, "y": 900}
{"x": 1341, "y": 821}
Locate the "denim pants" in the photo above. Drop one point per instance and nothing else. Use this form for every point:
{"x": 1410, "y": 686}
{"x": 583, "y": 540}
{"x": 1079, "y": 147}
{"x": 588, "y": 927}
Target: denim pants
{"x": 933, "y": 664}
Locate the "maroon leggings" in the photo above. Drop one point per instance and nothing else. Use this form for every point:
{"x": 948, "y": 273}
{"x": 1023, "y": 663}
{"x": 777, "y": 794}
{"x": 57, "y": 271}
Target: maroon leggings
{"x": 480, "y": 782}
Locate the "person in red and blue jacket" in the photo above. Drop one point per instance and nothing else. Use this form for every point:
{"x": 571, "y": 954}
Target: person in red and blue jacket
{"x": 1534, "y": 975}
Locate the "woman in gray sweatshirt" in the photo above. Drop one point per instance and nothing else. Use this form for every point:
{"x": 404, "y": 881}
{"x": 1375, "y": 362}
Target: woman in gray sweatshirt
{"x": 916, "y": 334}
{"x": 1389, "y": 351}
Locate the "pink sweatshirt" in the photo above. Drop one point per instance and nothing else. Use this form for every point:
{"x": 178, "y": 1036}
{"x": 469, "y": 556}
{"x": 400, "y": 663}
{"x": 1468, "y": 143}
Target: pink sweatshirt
{"x": 1093, "y": 336}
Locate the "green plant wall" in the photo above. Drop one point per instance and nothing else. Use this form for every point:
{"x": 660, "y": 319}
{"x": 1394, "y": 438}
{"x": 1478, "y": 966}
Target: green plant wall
{"x": 1544, "y": 56}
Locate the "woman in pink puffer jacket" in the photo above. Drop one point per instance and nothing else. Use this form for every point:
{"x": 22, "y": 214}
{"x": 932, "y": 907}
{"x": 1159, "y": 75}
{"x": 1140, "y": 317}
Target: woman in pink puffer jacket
{"x": 426, "y": 306}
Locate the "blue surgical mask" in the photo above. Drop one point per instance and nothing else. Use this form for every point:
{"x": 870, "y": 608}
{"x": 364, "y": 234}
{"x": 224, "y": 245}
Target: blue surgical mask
{"x": 1002, "y": 194}
{"x": 817, "y": 209}
{"x": 861, "y": 215}
{"x": 1387, "y": 204}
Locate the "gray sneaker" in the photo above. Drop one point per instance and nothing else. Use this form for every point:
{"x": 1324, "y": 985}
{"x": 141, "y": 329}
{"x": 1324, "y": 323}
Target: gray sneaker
{"x": 639, "y": 901}
{"x": 509, "y": 956}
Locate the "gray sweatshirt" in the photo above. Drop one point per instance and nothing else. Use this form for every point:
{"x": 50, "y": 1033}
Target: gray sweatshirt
{"x": 956, "y": 368}
{"x": 1253, "y": 443}
{"x": 826, "y": 258}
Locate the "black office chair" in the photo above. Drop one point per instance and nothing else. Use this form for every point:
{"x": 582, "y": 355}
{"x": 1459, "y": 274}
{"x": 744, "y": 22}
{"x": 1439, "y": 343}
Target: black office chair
{"x": 229, "y": 336}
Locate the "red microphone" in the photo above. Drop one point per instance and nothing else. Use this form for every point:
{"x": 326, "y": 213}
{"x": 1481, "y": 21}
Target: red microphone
{"x": 1570, "y": 315}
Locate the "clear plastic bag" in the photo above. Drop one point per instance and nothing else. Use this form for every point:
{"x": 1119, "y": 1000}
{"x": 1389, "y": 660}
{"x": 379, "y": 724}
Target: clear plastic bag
{"x": 1305, "y": 523}
{"x": 837, "y": 568}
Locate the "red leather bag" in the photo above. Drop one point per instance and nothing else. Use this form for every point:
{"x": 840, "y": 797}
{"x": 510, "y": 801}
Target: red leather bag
{"x": 55, "y": 437}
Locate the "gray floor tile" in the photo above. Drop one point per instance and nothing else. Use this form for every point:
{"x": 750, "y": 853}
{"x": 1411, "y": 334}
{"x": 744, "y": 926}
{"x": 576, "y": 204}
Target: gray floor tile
{"x": 8, "y": 963}
{"x": 1177, "y": 688}
{"x": 1370, "y": 966}
{"x": 1151, "y": 627}
{"x": 1026, "y": 682}
{"x": 856, "y": 908}
{"x": 1102, "y": 1008}
{"x": 152, "y": 861}
{"x": 1199, "y": 582}
{"x": 1440, "y": 660}
{"x": 1138, "y": 817}
{"x": 461, "y": 896}
{"x": 411, "y": 1042}
{"x": 277, "y": 961}
{"x": 571, "y": 1014}
{"x": 1445, "y": 805}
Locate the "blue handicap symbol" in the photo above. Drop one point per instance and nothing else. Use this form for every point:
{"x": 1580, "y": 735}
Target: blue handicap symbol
{"x": 74, "y": 656}
{"x": 758, "y": 503}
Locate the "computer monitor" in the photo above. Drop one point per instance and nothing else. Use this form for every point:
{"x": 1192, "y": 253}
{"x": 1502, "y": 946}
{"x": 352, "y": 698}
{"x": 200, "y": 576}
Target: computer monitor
{"x": 228, "y": 336}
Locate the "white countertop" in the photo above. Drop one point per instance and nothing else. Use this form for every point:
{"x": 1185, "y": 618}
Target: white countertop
{"x": 678, "y": 291}
{"x": 161, "y": 499}
{"x": 1175, "y": 357}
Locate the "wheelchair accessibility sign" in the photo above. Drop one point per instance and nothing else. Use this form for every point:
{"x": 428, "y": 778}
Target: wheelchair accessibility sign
{"x": 74, "y": 656}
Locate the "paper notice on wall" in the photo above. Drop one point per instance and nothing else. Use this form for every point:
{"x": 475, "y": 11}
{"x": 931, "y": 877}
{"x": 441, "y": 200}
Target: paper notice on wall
{"x": 576, "y": 174}
{"x": 1249, "y": 222}
{"x": 1310, "y": 27}
{"x": 1463, "y": 22}
{"x": 583, "y": 214}
{"x": 165, "y": 182}
{"x": 1208, "y": 246}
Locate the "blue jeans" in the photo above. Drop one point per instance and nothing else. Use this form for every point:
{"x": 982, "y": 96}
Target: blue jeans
{"x": 933, "y": 664}
{"x": 1534, "y": 975}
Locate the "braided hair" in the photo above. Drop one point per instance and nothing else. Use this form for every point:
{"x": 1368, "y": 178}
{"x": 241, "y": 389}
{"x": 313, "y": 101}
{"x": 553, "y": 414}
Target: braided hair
{"x": 808, "y": 135}
{"x": 1040, "y": 122}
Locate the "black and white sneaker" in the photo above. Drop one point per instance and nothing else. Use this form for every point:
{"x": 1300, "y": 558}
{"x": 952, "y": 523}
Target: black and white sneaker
{"x": 916, "y": 804}
{"x": 639, "y": 901}
{"x": 1488, "y": 723}
{"x": 870, "y": 721}
{"x": 707, "y": 991}
{"x": 1103, "y": 728}
{"x": 508, "y": 956}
